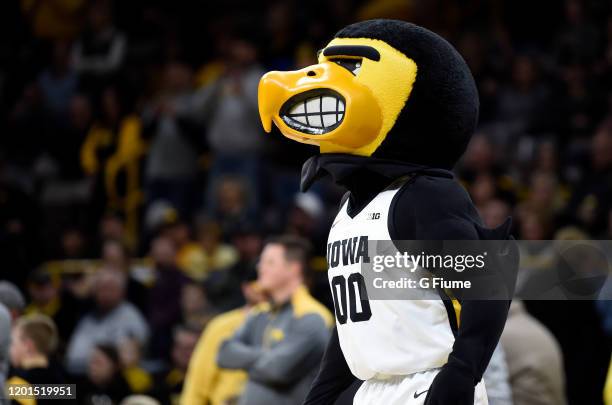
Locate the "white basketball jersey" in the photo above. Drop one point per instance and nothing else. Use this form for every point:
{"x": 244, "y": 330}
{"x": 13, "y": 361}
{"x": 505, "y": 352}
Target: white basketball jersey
{"x": 391, "y": 337}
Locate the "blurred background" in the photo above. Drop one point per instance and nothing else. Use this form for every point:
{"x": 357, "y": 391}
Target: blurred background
{"x": 134, "y": 169}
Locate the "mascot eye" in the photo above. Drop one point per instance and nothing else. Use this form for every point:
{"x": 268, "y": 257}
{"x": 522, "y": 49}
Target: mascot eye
{"x": 352, "y": 65}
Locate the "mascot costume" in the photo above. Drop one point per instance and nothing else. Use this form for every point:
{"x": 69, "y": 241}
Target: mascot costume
{"x": 392, "y": 107}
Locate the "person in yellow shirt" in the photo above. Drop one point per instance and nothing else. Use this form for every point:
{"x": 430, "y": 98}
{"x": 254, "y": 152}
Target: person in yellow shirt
{"x": 206, "y": 383}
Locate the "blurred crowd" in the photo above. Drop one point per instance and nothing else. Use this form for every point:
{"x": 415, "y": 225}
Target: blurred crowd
{"x": 137, "y": 187}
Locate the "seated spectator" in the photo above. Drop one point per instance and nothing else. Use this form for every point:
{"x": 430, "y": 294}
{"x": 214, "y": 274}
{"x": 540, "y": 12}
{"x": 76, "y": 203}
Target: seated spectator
{"x": 111, "y": 227}
{"x": 208, "y": 254}
{"x": 112, "y": 320}
{"x": 62, "y": 144}
{"x": 12, "y": 298}
{"x": 230, "y": 203}
{"x": 306, "y": 217}
{"x": 188, "y": 252}
{"x": 534, "y": 359}
{"x": 281, "y": 343}
{"x": 195, "y": 308}
{"x": 592, "y": 198}
{"x": 46, "y": 298}
{"x": 164, "y": 309}
{"x": 205, "y": 382}
{"x": 104, "y": 383}
{"x": 116, "y": 255}
{"x": 545, "y": 197}
{"x": 139, "y": 379}
{"x": 217, "y": 255}
{"x": 520, "y": 102}
{"x": 170, "y": 382}
{"x": 72, "y": 244}
{"x": 33, "y": 340}
{"x": 223, "y": 288}
{"x": 495, "y": 212}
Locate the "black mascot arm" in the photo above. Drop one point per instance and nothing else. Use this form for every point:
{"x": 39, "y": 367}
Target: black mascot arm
{"x": 481, "y": 326}
{"x": 334, "y": 375}
{"x": 481, "y": 322}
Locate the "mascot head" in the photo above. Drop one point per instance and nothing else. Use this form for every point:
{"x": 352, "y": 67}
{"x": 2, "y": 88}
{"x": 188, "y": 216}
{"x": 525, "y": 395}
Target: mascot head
{"x": 382, "y": 88}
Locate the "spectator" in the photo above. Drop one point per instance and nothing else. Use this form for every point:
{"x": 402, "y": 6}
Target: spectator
{"x": 579, "y": 41}
{"x": 164, "y": 309}
{"x": 205, "y": 382}
{"x": 535, "y": 364}
{"x": 224, "y": 288}
{"x": 104, "y": 383}
{"x": 170, "y": 382}
{"x": 33, "y": 341}
{"x": 64, "y": 140}
{"x": 232, "y": 199}
{"x": 112, "y": 320}
{"x": 590, "y": 202}
{"x": 521, "y": 101}
{"x": 545, "y": 197}
{"x": 12, "y": 298}
{"x": 228, "y": 106}
{"x": 130, "y": 356}
{"x": 172, "y": 163}
{"x": 99, "y": 52}
{"x": 495, "y": 212}
{"x": 209, "y": 255}
{"x": 46, "y": 298}
{"x": 111, "y": 227}
{"x": 116, "y": 255}
{"x": 306, "y": 217}
{"x": 59, "y": 82}
{"x": 280, "y": 345}
{"x": 581, "y": 104}
{"x": 195, "y": 308}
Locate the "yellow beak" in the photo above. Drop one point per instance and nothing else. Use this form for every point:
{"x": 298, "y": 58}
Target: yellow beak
{"x": 357, "y": 119}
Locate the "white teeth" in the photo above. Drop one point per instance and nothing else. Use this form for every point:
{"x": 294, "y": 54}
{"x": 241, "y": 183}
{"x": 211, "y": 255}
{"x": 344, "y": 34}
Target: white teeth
{"x": 315, "y": 121}
{"x": 329, "y": 120}
{"x": 301, "y": 119}
{"x": 313, "y": 105}
{"x": 329, "y": 104}
{"x": 318, "y": 112}
{"x": 297, "y": 109}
